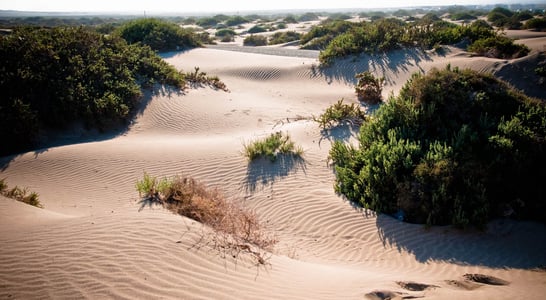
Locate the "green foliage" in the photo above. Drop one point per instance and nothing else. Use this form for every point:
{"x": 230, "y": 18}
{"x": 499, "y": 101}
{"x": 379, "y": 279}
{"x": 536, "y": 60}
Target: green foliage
{"x": 273, "y": 145}
{"x": 255, "y": 40}
{"x": 498, "y": 47}
{"x": 160, "y": 35}
{"x": 455, "y": 147}
{"x": 306, "y": 17}
{"x": 320, "y": 36}
{"x": 368, "y": 87}
{"x": 225, "y": 32}
{"x": 536, "y": 23}
{"x": 54, "y": 77}
{"x": 290, "y": 20}
{"x": 284, "y": 37}
{"x": 207, "y": 22}
{"x": 339, "y": 113}
{"x": 19, "y": 194}
{"x": 235, "y": 20}
{"x": 257, "y": 29}
{"x": 342, "y": 38}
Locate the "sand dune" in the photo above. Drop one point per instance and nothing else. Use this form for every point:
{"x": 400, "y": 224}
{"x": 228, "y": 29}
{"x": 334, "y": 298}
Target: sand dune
{"x": 95, "y": 240}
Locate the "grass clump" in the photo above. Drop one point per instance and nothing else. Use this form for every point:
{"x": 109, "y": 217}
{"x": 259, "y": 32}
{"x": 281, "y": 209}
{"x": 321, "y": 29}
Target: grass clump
{"x": 234, "y": 227}
{"x": 339, "y": 113}
{"x": 19, "y": 194}
{"x": 270, "y": 147}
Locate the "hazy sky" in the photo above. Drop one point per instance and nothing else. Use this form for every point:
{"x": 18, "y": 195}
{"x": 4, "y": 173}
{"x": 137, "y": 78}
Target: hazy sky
{"x": 217, "y": 5}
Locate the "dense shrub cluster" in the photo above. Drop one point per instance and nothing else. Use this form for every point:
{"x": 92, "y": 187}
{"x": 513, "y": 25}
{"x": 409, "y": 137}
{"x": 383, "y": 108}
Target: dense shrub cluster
{"x": 505, "y": 18}
{"x": 536, "y": 23}
{"x": 284, "y": 37}
{"x": 255, "y": 40}
{"x": 54, "y": 77}
{"x": 342, "y": 38}
{"x": 455, "y": 147}
{"x": 160, "y": 35}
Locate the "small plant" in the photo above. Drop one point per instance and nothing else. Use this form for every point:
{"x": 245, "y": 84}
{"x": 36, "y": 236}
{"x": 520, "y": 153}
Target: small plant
{"x": 199, "y": 78}
{"x": 271, "y": 146}
{"x": 339, "y": 112}
{"x": 235, "y": 228}
{"x": 369, "y": 87}
{"x": 19, "y": 194}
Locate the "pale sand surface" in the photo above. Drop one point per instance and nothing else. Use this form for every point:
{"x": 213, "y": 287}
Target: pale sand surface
{"x": 94, "y": 239}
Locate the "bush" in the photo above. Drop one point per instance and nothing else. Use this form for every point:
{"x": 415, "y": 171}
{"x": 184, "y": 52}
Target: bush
{"x": 54, "y": 77}
{"x": 455, "y": 147}
{"x": 339, "y": 113}
{"x": 225, "y": 32}
{"x": 368, "y": 87}
{"x": 235, "y": 20}
{"x": 284, "y": 37}
{"x": 257, "y": 29}
{"x": 536, "y": 23}
{"x": 255, "y": 40}
{"x": 498, "y": 47}
{"x": 270, "y": 147}
{"x": 158, "y": 34}
{"x": 235, "y": 228}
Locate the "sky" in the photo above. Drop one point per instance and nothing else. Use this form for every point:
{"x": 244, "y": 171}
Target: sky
{"x": 219, "y": 5}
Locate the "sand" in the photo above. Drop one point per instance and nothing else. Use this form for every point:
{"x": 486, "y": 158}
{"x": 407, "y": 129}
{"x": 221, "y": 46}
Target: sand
{"x": 95, "y": 240}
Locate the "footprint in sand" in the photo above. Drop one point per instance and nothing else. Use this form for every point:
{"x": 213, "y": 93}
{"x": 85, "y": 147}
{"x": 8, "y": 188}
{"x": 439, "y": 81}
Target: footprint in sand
{"x": 414, "y": 286}
{"x": 474, "y": 281}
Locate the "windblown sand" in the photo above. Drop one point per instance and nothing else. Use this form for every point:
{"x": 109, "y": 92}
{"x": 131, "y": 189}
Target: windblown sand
{"x": 95, "y": 240}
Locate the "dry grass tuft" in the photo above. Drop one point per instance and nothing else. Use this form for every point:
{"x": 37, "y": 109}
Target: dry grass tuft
{"x": 19, "y": 194}
{"x": 235, "y": 228}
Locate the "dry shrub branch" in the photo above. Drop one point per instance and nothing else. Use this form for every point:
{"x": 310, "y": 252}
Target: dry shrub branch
{"x": 235, "y": 229}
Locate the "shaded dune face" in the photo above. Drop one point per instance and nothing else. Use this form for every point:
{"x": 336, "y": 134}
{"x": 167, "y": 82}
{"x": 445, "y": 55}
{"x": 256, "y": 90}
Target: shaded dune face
{"x": 93, "y": 239}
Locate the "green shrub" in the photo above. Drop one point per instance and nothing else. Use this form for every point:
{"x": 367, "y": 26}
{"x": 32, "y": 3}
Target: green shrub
{"x": 339, "y": 113}
{"x": 235, "y": 20}
{"x": 158, "y": 34}
{"x": 270, "y": 147}
{"x": 284, "y": 37}
{"x": 54, "y": 77}
{"x": 455, "y": 147}
{"x": 498, "y": 47}
{"x": 257, "y": 29}
{"x": 536, "y": 23}
{"x": 255, "y": 40}
{"x": 225, "y": 32}
{"x": 368, "y": 87}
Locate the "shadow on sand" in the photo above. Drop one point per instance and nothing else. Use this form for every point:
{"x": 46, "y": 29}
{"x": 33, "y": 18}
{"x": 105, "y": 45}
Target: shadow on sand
{"x": 263, "y": 172}
{"x": 383, "y": 64}
{"x": 505, "y": 244}
{"x": 78, "y": 134}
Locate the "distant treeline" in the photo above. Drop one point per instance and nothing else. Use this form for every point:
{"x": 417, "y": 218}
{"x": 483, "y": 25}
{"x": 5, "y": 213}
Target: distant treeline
{"x": 54, "y": 77}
